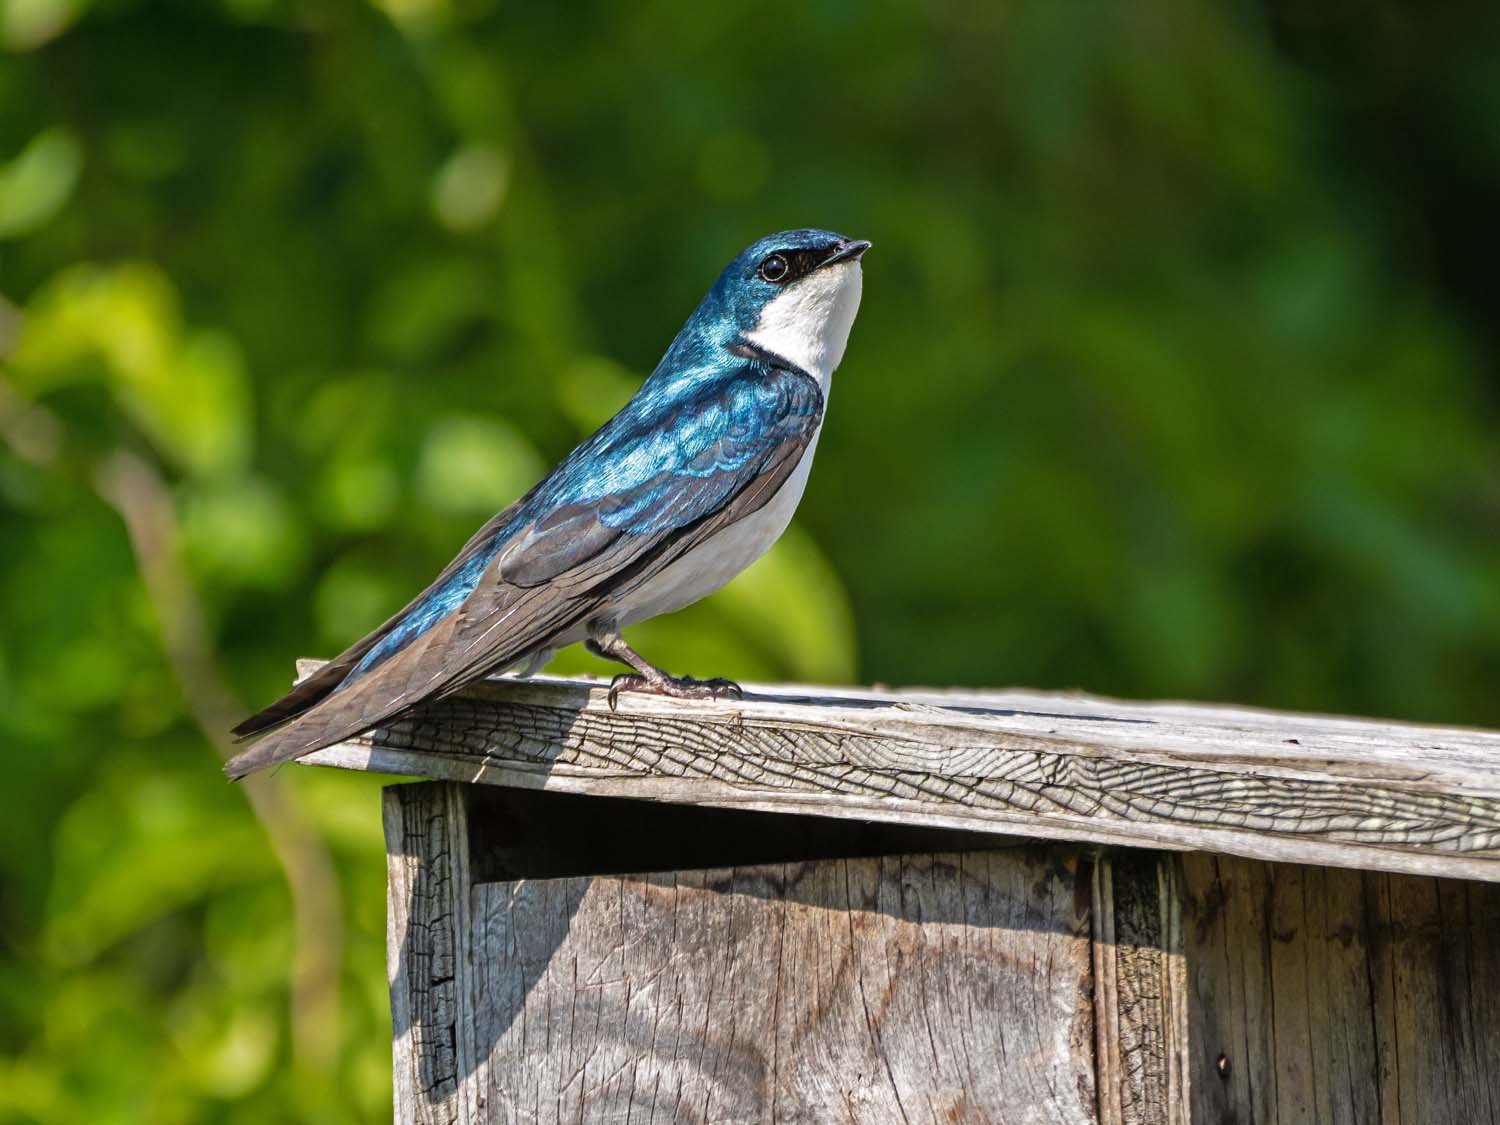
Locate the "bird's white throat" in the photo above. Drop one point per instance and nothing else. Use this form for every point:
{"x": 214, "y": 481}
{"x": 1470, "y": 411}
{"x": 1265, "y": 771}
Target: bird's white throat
{"x": 809, "y": 322}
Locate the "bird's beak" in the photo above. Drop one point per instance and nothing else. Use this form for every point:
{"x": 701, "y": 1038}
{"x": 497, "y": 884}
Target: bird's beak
{"x": 851, "y": 250}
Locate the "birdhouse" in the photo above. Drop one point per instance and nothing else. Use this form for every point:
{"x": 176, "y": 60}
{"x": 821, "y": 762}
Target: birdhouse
{"x": 816, "y": 905}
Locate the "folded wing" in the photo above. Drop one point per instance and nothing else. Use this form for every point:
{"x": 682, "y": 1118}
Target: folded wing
{"x": 650, "y": 486}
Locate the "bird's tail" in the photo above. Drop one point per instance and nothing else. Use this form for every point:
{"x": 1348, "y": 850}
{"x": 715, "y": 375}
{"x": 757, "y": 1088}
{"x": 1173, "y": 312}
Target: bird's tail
{"x": 333, "y": 719}
{"x": 320, "y": 711}
{"x": 307, "y": 694}
{"x": 269, "y": 751}
{"x": 287, "y": 727}
{"x": 333, "y": 710}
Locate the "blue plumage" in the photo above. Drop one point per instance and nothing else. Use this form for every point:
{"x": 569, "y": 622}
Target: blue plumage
{"x": 664, "y": 503}
{"x": 656, "y": 466}
{"x": 433, "y": 606}
{"x": 658, "y": 436}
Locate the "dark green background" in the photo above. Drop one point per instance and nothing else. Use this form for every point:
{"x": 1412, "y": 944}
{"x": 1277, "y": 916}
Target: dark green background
{"x": 1175, "y": 376}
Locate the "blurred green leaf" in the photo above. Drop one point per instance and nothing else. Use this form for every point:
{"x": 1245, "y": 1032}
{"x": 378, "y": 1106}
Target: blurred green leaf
{"x": 187, "y": 391}
{"x": 470, "y": 187}
{"x": 27, "y": 24}
{"x": 125, "y": 855}
{"x": 592, "y": 390}
{"x": 359, "y": 492}
{"x": 36, "y": 184}
{"x": 241, "y": 529}
{"x": 472, "y": 464}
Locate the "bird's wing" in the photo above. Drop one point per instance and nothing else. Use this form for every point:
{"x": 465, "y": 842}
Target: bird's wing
{"x": 635, "y": 503}
{"x": 310, "y": 691}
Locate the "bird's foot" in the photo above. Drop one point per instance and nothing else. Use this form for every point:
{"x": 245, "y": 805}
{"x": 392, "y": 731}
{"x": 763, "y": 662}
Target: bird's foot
{"x": 678, "y": 687}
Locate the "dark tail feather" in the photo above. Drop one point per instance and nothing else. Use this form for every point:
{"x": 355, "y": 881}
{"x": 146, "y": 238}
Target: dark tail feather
{"x": 327, "y": 722}
{"x": 314, "y": 715}
{"x": 349, "y": 713}
{"x": 321, "y": 684}
{"x": 282, "y": 746}
{"x": 309, "y": 717}
{"x": 306, "y": 695}
{"x": 262, "y": 754}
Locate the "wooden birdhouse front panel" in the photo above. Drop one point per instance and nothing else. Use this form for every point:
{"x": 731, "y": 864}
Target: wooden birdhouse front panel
{"x": 952, "y": 985}
{"x": 831, "y": 990}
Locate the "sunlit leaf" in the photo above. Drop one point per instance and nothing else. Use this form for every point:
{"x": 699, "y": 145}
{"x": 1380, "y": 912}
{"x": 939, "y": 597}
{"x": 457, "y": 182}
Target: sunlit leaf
{"x": 470, "y": 186}
{"x": 592, "y": 389}
{"x": 38, "y": 181}
{"x": 358, "y": 491}
{"x": 241, "y": 528}
{"x": 471, "y": 464}
{"x": 187, "y": 391}
{"x": 27, "y": 24}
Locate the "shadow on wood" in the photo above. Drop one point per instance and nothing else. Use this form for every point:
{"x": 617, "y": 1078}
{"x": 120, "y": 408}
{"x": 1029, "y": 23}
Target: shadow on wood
{"x": 527, "y": 834}
{"x": 794, "y": 980}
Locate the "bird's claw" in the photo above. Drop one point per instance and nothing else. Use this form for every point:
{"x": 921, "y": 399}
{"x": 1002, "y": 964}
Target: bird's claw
{"x": 684, "y": 687}
{"x": 625, "y": 681}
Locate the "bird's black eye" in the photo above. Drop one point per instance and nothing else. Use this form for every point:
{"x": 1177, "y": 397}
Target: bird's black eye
{"x": 774, "y": 268}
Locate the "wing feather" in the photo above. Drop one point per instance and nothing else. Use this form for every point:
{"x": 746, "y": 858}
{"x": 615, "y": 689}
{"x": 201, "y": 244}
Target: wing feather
{"x": 312, "y": 690}
{"x": 736, "y": 447}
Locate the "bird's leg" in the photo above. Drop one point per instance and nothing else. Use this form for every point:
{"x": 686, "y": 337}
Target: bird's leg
{"x": 648, "y": 677}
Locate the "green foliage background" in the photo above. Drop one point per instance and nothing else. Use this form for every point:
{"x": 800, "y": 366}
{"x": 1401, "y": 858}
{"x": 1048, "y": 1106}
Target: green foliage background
{"x": 1176, "y": 376}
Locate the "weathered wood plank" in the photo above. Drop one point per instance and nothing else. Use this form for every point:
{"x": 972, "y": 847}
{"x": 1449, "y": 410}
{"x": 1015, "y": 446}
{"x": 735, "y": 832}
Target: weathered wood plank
{"x": 1339, "y": 792}
{"x": 428, "y": 956}
{"x": 920, "y": 988}
{"x": 1140, "y": 991}
{"x": 1340, "y": 997}
{"x": 1438, "y": 949}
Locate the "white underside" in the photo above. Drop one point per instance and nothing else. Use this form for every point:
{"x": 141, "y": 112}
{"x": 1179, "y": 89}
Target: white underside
{"x": 711, "y": 566}
{"x": 808, "y": 325}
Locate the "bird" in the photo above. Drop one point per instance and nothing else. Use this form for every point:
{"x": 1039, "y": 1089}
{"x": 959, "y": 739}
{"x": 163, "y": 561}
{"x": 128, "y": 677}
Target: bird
{"x": 693, "y": 479}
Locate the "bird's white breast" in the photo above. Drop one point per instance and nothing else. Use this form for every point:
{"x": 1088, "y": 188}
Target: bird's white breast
{"x": 711, "y": 565}
{"x": 809, "y": 325}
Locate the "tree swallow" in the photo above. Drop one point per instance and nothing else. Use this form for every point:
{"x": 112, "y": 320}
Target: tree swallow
{"x": 685, "y": 487}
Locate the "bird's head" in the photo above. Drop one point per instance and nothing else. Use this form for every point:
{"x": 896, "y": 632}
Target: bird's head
{"x": 794, "y": 294}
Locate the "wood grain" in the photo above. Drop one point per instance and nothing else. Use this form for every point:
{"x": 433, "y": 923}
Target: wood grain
{"x": 921, "y": 988}
{"x": 1346, "y": 998}
{"x": 428, "y": 956}
{"x": 1140, "y": 991}
{"x": 1035, "y": 984}
{"x": 1341, "y": 792}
